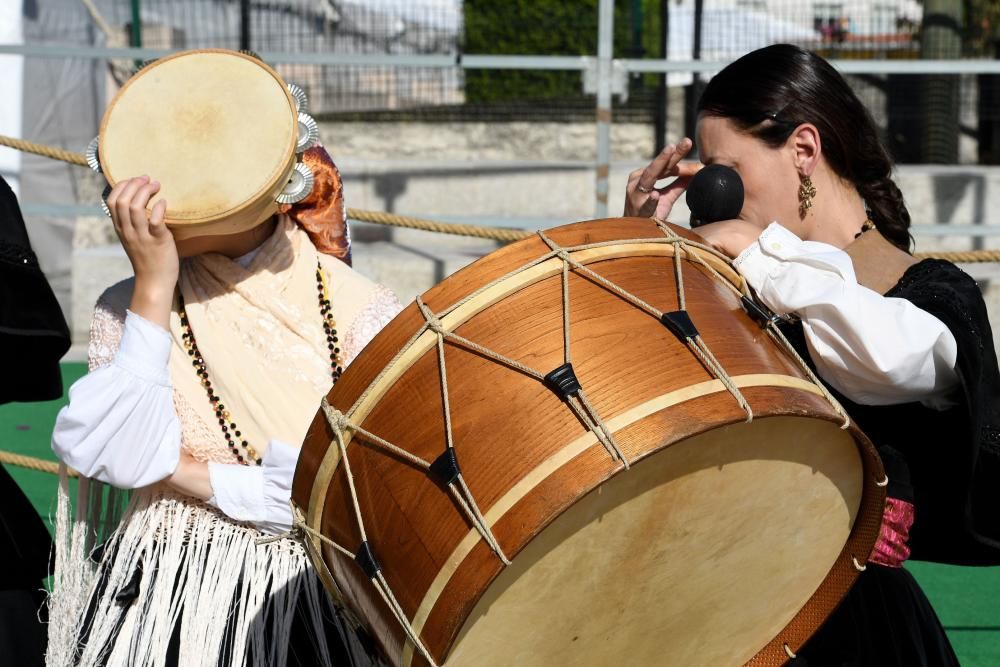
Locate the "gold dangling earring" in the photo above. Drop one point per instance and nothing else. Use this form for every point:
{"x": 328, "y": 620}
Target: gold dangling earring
{"x": 806, "y": 193}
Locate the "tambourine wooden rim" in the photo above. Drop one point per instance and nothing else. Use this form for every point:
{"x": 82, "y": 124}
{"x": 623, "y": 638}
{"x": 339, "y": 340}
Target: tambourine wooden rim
{"x": 223, "y": 219}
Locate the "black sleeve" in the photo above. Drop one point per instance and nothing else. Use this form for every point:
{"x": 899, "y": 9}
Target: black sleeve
{"x": 33, "y": 331}
{"x": 951, "y": 295}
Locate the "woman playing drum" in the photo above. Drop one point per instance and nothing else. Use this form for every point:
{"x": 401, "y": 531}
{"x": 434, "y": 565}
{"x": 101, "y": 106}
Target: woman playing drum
{"x": 206, "y": 370}
{"x": 905, "y": 345}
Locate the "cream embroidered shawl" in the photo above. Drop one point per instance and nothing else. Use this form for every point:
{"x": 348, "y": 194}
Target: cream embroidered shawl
{"x": 261, "y": 333}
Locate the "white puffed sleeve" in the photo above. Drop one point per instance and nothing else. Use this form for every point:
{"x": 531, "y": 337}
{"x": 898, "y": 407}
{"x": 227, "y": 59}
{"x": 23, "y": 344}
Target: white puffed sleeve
{"x": 875, "y": 350}
{"x": 120, "y": 426}
{"x": 257, "y": 494}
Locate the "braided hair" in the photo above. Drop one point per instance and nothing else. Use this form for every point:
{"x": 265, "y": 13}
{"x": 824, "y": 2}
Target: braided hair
{"x": 771, "y": 91}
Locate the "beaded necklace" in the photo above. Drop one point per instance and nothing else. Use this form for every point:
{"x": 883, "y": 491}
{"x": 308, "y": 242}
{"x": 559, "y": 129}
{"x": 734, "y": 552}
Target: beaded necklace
{"x": 234, "y": 437}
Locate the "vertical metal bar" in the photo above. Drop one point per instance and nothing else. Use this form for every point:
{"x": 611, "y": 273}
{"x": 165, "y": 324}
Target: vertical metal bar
{"x": 660, "y": 123}
{"x": 135, "y": 34}
{"x": 605, "y": 44}
{"x": 245, "y": 25}
{"x": 693, "y": 92}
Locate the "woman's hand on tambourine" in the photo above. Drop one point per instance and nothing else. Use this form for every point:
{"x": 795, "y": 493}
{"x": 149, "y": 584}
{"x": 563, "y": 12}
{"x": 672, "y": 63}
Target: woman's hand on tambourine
{"x": 730, "y": 237}
{"x": 642, "y": 197}
{"x": 149, "y": 245}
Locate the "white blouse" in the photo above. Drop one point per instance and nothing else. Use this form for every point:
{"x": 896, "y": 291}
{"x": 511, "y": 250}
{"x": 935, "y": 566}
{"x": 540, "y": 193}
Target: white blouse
{"x": 121, "y": 427}
{"x": 875, "y": 350}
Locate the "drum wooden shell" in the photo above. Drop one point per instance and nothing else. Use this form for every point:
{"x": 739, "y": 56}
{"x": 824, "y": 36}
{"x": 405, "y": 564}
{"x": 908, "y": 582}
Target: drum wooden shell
{"x": 216, "y": 128}
{"x": 725, "y": 542}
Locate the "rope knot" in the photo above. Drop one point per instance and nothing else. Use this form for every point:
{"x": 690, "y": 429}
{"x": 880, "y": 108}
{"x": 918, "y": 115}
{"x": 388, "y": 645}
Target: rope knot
{"x": 433, "y": 323}
{"x": 558, "y": 250}
{"x": 338, "y": 420}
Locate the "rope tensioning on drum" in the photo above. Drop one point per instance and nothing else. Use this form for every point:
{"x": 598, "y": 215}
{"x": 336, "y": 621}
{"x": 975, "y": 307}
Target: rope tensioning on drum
{"x": 443, "y": 470}
{"x": 678, "y": 321}
{"x": 562, "y": 381}
{"x": 365, "y": 555}
{"x": 767, "y": 320}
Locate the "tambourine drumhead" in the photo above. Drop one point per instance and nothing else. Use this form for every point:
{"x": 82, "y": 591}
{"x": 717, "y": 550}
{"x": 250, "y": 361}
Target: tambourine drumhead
{"x": 724, "y": 543}
{"x": 216, "y": 128}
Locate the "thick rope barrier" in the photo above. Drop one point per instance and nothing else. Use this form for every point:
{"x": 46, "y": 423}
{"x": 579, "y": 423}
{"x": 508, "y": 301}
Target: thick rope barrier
{"x": 393, "y": 220}
{"x": 503, "y": 234}
{"x": 962, "y": 256}
{"x": 45, "y": 151}
{"x": 32, "y": 463}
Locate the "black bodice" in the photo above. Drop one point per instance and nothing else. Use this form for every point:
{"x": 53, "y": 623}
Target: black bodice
{"x": 947, "y": 462}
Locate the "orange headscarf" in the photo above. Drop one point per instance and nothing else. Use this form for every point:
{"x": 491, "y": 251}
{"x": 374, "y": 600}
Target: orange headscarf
{"x": 322, "y": 214}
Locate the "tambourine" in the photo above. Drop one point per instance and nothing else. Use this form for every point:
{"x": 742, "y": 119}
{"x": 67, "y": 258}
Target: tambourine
{"x": 222, "y": 133}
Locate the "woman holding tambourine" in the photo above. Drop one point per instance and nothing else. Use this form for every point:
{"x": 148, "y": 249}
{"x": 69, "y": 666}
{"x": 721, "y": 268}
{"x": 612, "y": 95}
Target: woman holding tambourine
{"x": 207, "y": 367}
{"x": 822, "y": 237}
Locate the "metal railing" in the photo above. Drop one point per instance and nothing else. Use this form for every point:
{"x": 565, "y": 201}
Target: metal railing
{"x": 603, "y": 75}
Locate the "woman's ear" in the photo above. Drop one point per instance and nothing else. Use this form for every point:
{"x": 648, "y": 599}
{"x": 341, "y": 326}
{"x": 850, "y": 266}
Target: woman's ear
{"x": 806, "y": 148}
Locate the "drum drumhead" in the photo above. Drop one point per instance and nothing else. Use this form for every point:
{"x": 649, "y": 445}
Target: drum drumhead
{"x": 217, "y": 128}
{"x": 699, "y": 535}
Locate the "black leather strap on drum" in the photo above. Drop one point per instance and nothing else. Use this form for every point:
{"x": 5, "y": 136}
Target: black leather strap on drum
{"x": 563, "y": 381}
{"x": 680, "y": 324}
{"x": 444, "y": 470}
{"x": 757, "y": 312}
{"x": 365, "y": 558}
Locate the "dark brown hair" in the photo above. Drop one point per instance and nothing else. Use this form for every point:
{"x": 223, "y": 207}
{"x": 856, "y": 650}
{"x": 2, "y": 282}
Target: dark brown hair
{"x": 771, "y": 91}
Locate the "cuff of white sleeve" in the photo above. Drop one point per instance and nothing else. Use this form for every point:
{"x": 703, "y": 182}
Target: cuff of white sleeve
{"x": 279, "y": 470}
{"x": 764, "y": 255}
{"x": 237, "y": 490}
{"x": 144, "y": 350}
{"x": 259, "y": 495}
{"x": 754, "y": 265}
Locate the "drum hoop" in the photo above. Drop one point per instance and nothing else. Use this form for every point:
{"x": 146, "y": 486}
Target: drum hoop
{"x": 274, "y": 181}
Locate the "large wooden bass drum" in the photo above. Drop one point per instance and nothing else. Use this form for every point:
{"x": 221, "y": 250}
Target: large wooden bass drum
{"x": 582, "y": 450}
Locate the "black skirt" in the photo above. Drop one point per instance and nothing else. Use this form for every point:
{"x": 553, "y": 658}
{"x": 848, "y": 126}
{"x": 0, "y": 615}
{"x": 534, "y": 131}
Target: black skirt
{"x": 346, "y": 647}
{"x": 885, "y": 621}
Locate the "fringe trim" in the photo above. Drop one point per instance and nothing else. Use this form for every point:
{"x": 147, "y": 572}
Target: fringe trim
{"x": 237, "y": 598}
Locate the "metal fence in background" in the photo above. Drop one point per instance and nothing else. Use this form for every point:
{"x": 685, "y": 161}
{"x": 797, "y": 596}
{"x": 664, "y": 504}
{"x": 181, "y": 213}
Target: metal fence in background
{"x": 395, "y": 27}
{"x": 675, "y": 30}
{"x": 636, "y": 63}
